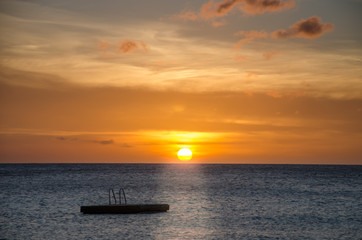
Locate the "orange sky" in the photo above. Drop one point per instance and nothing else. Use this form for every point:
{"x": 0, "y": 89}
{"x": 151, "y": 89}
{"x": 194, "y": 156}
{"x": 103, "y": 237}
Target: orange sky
{"x": 234, "y": 81}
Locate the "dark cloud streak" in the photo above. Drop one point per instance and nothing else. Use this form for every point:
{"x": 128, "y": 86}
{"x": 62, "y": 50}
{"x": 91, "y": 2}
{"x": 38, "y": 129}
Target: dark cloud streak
{"x": 106, "y": 142}
{"x": 306, "y": 28}
{"x": 209, "y": 11}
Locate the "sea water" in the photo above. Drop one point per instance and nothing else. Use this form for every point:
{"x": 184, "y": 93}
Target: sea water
{"x": 42, "y": 201}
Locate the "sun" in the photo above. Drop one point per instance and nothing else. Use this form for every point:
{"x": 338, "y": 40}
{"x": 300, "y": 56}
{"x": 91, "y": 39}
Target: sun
{"x": 184, "y": 154}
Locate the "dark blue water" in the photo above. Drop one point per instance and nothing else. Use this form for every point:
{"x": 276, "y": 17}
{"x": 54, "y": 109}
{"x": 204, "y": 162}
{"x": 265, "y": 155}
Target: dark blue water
{"x": 206, "y": 201}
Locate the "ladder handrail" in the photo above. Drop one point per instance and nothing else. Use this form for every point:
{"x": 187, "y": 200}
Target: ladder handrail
{"x": 120, "y": 193}
{"x": 109, "y": 196}
{"x": 124, "y": 196}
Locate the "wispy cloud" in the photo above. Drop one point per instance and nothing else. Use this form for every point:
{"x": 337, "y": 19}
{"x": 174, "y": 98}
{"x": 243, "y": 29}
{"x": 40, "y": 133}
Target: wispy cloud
{"x": 251, "y": 75}
{"x": 306, "y": 28}
{"x": 270, "y": 55}
{"x": 240, "y": 58}
{"x": 249, "y": 36}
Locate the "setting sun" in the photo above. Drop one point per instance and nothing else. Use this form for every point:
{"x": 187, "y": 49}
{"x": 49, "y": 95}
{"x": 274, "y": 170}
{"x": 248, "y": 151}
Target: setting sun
{"x": 184, "y": 154}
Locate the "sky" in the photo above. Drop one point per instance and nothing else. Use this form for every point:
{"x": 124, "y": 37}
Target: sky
{"x": 235, "y": 81}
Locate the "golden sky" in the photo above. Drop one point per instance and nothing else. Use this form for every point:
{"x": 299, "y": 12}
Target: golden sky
{"x": 235, "y": 81}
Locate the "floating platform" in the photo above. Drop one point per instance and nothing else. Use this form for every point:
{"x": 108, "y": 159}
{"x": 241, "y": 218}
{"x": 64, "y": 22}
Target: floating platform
{"x": 121, "y": 207}
{"x": 124, "y": 209}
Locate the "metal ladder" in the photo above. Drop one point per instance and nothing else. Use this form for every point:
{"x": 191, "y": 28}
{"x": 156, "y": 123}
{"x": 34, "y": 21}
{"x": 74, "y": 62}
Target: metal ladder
{"x": 120, "y": 193}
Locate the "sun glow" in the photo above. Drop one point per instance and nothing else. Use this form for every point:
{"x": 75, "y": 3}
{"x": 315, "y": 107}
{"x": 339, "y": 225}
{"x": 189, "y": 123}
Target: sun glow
{"x": 184, "y": 154}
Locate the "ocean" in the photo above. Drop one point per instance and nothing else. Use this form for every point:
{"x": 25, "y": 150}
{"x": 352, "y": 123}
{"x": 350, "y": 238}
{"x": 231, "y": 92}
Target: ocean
{"x": 42, "y": 201}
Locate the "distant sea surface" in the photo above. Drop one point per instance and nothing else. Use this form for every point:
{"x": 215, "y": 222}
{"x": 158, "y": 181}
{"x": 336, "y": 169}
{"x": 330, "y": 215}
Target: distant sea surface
{"x": 42, "y": 201}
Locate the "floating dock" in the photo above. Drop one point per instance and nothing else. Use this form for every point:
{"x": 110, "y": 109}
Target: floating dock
{"x": 125, "y": 209}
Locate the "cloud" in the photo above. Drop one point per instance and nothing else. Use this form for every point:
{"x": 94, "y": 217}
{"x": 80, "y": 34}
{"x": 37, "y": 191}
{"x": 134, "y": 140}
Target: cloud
{"x": 306, "y": 28}
{"x": 275, "y": 94}
{"x": 209, "y": 11}
{"x": 125, "y": 145}
{"x": 252, "y": 75}
{"x": 84, "y": 140}
{"x": 309, "y": 28}
{"x": 106, "y": 142}
{"x": 240, "y": 58}
{"x": 32, "y": 79}
{"x": 188, "y": 15}
{"x": 256, "y": 7}
{"x": 249, "y": 36}
{"x": 219, "y": 23}
{"x": 128, "y": 46}
{"x": 62, "y": 138}
{"x": 212, "y": 10}
{"x": 225, "y": 6}
{"x": 270, "y": 55}
{"x": 251, "y": 7}
{"x": 125, "y": 46}
{"x": 103, "y": 45}
{"x": 111, "y": 141}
